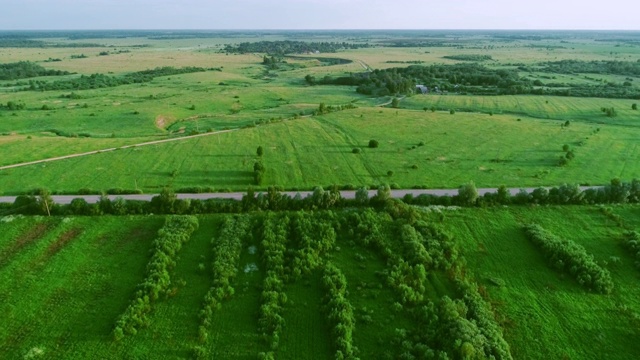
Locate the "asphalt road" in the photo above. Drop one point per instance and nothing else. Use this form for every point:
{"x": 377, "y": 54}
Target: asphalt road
{"x": 347, "y": 194}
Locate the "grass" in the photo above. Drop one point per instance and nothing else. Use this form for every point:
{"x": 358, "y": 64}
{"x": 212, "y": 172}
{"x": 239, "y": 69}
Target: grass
{"x": 545, "y": 314}
{"x": 307, "y": 152}
{"x": 94, "y": 264}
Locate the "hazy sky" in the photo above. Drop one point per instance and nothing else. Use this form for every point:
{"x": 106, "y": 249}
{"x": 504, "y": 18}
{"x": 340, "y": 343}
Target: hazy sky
{"x": 319, "y": 14}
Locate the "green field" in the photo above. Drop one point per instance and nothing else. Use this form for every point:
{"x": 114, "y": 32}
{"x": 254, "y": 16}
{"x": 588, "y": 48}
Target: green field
{"x": 51, "y": 265}
{"x": 493, "y": 140}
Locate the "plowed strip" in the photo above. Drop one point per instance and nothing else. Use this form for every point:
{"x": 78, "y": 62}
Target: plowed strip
{"x": 27, "y": 238}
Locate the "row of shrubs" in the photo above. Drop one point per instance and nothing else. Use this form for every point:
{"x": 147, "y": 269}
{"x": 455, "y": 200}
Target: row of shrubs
{"x": 566, "y": 255}
{"x": 271, "y": 321}
{"x": 227, "y": 248}
{"x": 632, "y": 243}
{"x": 176, "y": 231}
{"x": 340, "y": 312}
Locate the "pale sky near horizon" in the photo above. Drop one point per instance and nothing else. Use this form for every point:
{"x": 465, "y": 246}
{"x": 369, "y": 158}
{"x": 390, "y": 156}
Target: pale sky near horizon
{"x": 318, "y": 14}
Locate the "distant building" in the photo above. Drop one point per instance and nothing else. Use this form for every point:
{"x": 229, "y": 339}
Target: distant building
{"x": 422, "y": 89}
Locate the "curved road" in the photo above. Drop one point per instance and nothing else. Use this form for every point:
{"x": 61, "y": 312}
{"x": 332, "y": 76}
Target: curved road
{"x": 347, "y": 194}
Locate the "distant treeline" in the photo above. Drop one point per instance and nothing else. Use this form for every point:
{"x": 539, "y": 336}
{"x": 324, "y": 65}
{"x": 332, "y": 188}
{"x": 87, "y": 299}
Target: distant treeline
{"x": 468, "y": 57}
{"x": 467, "y": 78}
{"x": 40, "y": 203}
{"x": 626, "y": 68}
{"x": 471, "y": 78}
{"x": 281, "y": 48}
{"x": 97, "y": 81}
{"x": 28, "y": 43}
{"x": 26, "y": 69}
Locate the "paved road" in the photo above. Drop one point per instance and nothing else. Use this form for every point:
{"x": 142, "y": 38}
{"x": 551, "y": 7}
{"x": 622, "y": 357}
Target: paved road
{"x": 347, "y": 194}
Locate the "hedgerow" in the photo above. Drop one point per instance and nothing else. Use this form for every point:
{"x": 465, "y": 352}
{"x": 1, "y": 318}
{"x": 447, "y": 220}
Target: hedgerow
{"x": 566, "y": 255}
{"x": 175, "y": 232}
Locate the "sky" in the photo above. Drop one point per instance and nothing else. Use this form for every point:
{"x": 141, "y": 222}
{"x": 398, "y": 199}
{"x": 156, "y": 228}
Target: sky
{"x": 318, "y": 14}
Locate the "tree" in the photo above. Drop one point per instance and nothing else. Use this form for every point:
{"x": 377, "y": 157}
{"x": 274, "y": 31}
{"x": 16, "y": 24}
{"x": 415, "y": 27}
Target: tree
{"x": 634, "y": 106}
{"x": 373, "y": 143}
{"x": 260, "y": 151}
{"x": 452, "y": 112}
{"x": 468, "y": 193}
{"x": 565, "y": 147}
{"x": 395, "y": 103}
{"x": 45, "y": 201}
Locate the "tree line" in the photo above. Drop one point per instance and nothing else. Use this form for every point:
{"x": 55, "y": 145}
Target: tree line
{"x": 281, "y": 48}
{"x": 25, "y": 70}
{"x": 226, "y": 249}
{"x": 176, "y": 231}
{"x": 617, "y": 192}
{"x": 568, "y": 256}
{"x": 466, "y": 78}
{"x": 96, "y": 81}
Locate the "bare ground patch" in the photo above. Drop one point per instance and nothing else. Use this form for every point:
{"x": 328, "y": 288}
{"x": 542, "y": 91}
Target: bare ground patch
{"x": 61, "y": 241}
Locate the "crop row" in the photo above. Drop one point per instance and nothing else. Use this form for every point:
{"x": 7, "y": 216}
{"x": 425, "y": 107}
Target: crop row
{"x": 175, "y": 232}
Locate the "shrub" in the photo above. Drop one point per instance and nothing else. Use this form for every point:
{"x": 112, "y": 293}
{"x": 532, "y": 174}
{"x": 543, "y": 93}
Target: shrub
{"x": 373, "y": 143}
{"x": 634, "y": 106}
{"x": 356, "y": 150}
{"x": 452, "y": 112}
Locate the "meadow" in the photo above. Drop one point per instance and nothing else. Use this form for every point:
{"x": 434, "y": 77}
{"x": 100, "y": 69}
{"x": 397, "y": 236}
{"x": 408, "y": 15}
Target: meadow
{"x": 515, "y": 140}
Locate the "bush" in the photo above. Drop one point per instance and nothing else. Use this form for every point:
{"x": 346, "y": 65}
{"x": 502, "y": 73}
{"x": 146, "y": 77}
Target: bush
{"x": 452, "y": 112}
{"x": 634, "y": 106}
{"x": 356, "y": 150}
{"x": 373, "y": 143}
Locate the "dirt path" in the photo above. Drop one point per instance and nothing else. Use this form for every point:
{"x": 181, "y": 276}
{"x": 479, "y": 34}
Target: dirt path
{"x": 113, "y": 149}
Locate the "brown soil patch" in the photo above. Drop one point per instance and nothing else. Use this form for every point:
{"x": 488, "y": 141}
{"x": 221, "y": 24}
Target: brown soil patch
{"x": 61, "y": 241}
{"x": 25, "y": 239}
{"x": 160, "y": 121}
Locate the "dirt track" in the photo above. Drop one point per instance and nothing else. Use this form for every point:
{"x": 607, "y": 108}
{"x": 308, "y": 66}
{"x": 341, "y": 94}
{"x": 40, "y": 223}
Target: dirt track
{"x": 112, "y": 149}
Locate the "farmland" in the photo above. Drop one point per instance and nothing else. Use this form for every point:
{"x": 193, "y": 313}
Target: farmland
{"x": 522, "y": 277}
{"x": 96, "y": 264}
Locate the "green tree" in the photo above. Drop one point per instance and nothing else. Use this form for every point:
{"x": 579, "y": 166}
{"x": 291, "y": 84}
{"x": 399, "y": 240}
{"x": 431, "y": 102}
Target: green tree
{"x": 373, "y": 143}
{"x": 45, "y": 201}
{"x": 468, "y": 193}
{"x": 260, "y": 151}
{"x": 634, "y": 106}
{"x": 395, "y": 103}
